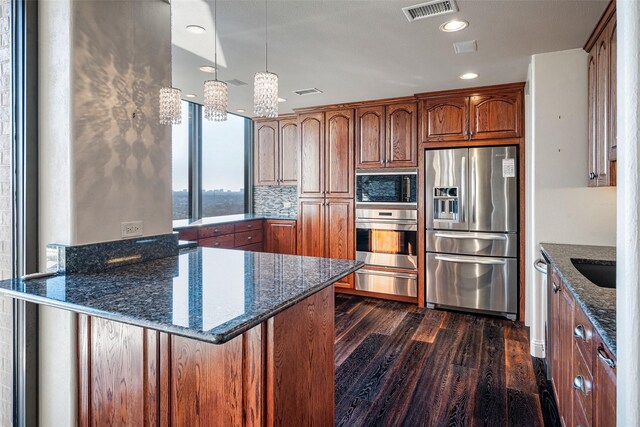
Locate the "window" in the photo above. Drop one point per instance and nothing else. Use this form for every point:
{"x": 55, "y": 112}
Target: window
{"x": 209, "y": 159}
{"x": 223, "y": 167}
{"x": 180, "y": 166}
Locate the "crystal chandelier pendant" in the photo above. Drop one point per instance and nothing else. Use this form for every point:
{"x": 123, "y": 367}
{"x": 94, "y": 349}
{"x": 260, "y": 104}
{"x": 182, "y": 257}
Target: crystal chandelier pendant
{"x": 170, "y": 106}
{"x": 215, "y": 100}
{"x": 265, "y": 94}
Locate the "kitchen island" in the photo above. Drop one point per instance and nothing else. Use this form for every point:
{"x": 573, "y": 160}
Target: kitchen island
{"x": 208, "y": 337}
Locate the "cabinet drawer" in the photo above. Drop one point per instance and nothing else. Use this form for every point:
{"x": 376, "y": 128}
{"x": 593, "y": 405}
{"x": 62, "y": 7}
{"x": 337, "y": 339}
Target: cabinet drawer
{"x": 188, "y": 234}
{"x": 580, "y": 419}
{"x": 248, "y": 238}
{"x": 583, "y": 336}
{"x": 227, "y": 242}
{"x": 254, "y": 247}
{"x": 215, "y": 230}
{"x": 581, "y": 377}
{"x": 248, "y": 226}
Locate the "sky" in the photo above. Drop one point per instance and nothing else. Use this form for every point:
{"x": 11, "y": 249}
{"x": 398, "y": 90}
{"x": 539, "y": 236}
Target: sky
{"x": 222, "y": 153}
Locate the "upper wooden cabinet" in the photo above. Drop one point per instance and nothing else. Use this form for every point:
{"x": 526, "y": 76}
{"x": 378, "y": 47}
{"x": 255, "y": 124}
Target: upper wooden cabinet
{"x": 276, "y": 152}
{"x": 327, "y": 154}
{"x": 386, "y": 136}
{"x": 445, "y": 119}
{"x": 602, "y": 64}
{"x": 484, "y": 114}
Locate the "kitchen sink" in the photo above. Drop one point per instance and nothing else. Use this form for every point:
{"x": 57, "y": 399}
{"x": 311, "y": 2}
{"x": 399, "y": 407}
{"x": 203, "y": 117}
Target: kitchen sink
{"x": 602, "y": 275}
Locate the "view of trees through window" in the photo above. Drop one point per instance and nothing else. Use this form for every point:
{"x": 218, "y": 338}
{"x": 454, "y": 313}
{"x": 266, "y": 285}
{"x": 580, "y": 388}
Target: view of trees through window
{"x": 222, "y": 162}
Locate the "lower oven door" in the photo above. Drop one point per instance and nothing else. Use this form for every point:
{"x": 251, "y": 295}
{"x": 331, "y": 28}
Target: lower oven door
{"x": 384, "y": 282}
{"x": 470, "y": 282}
{"x": 387, "y": 248}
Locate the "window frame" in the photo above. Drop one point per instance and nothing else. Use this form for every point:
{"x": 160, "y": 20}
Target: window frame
{"x": 195, "y": 118}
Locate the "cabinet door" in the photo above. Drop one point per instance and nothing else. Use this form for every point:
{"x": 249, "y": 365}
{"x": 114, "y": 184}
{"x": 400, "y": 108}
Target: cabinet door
{"x": 602, "y": 110}
{"x": 339, "y": 154}
{"x": 288, "y": 136}
{"x": 311, "y": 136}
{"x": 266, "y": 153}
{"x": 604, "y": 382}
{"x": 613, "y": 85}
{"x": 340, "y": 233}
{"x": 445, "y": 119}
{"x": 370, "y": 137}
{"x": 565, "y": 391}
{"x": 280, "y": 237}
{"x": 496, "y": 116}
{"x": 311, "y": 235}
{"x": 402, "y": 138}
{"x": 593, "y": 139}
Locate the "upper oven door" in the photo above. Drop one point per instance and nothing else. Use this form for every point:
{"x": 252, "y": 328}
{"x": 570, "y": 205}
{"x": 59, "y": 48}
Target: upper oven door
{"x": 387, "y": 248}
{"x": 387, "y": 188}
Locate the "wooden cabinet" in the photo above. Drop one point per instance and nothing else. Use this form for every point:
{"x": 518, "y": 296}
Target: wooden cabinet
{"x": 484, "y": 114}
{"x": 387, "y": 136}
{"x": 327, "y": 229}
{"x": 602, "y": 64}
{"x": 370, "y": 137}
{"x": 327, "y": 154}
{"x": 582, "y": 368}
{"x": 280, "y": 237}
{"x": 276, "y": 152}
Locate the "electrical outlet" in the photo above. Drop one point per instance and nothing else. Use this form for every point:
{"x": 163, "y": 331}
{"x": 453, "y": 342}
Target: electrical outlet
{"x": 286, "y": 204}
{"x": 131, "y": 229}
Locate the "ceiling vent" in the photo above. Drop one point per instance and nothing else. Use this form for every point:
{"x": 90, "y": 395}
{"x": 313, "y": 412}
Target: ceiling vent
{"x": 429, "y": 9}
{"x": 236, "y": 82}
{"x": 465, "y": 47}
{"x": 311, "y": 91}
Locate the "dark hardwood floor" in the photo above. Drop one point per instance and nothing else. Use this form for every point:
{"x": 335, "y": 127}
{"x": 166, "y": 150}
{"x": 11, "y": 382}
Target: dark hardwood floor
{"x": 397, "y": 364}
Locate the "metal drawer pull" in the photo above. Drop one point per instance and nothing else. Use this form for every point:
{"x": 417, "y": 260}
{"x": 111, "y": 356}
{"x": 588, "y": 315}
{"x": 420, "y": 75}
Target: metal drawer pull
{"x": 249, "y": 225}
{"x": 461, "y": 260}
{"x": 216, "y": 230}
{"x": 467, "y": 237}
{"x": 579, "y": 332}
{"x": 555, "y": 287}
{"x": 602, "y": 355}
{"x": 250, "y": 238}
{"x": 579, "y": 383}
{"x": 216, "y": 244}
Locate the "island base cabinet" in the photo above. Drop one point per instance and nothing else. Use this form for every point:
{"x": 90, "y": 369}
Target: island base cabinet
{"x": 279, "y": 373}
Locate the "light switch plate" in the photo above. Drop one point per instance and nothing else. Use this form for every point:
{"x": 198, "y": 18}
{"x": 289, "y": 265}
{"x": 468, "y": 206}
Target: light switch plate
{"x": 131, "y": 229}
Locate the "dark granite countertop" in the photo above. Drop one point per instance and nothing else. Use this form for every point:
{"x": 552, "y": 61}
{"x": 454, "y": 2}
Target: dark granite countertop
{"x": 218, "y": 220}
{"x": 208, "y": 294}
{"x": 599, "y": 304}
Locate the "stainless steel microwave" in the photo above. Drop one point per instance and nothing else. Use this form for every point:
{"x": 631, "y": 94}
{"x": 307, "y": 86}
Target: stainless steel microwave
{"x": 387, "y": 187}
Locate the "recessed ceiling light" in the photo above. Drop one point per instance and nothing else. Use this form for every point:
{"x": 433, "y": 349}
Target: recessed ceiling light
{"x": 196, "y": 29}
{"x": 190, "y": 95}
{"x": 208, "y": 69}
{"x": 453, "y": 26}
{"x": 240, "y": 110}
{"x": 282, "y": 100}
{"x": 468, "y": 76}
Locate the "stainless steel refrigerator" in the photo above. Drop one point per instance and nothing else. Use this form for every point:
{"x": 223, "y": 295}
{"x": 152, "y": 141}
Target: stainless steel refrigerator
{"x": 472, "y": 229}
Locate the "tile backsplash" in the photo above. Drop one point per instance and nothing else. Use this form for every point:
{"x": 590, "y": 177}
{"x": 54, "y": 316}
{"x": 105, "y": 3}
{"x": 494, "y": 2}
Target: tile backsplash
{"x": 270, "y": 200}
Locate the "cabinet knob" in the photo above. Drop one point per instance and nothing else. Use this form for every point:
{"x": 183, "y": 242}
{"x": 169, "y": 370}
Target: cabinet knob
{"x": 216, "y": 230}
{"x": 555, "y": 287}
{"x": 579, "y": 332}
{"x": 249, "y": 225}
{"x": 602, "y": 355}
{"x": 250, "y": 238}
{"x": 216, "y": 244}
{"x": 579, "y": 383}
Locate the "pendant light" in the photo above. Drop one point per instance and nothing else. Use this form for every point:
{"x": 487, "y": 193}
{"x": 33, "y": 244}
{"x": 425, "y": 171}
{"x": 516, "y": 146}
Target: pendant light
{"x": 265, "y": 85}
{"x": 170, "y": 100}
{"x": 215, "y": 91}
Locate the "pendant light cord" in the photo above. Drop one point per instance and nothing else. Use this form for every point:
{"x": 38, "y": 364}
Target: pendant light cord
{"x": 215, "y": 38}
{"x": 266, "y": 36}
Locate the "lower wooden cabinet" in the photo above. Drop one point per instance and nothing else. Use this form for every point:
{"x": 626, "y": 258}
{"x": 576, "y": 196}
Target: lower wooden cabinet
{"x": 582, "y": 368}
{"x": 326, "y": 228}
{"x": 280, "y": 237}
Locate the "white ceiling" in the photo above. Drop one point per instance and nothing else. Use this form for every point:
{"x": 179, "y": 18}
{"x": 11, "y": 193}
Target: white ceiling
{"x": 355, "y": 50}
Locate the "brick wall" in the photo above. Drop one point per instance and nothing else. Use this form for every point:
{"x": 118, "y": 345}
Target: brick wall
{"x": 6, "y": 305}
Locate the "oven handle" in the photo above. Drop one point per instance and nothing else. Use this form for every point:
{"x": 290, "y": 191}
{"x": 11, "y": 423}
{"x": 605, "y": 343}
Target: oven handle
{"x": 386, "y": 274}
{"x": 388, "y": 225}
{"x": 468, "y": 260}
{"x": 476, "y": 237}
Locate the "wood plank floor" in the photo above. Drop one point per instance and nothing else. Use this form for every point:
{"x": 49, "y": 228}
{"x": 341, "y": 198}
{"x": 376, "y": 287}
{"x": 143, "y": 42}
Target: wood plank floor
{"x": 399, "y": 365}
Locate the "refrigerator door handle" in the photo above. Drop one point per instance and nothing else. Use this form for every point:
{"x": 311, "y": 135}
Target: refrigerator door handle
{"x": 463, "y": 191}
{"x": 476, "y": 237}
{"x": 473, "y": 193}
{"x": 470, "y": 260}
